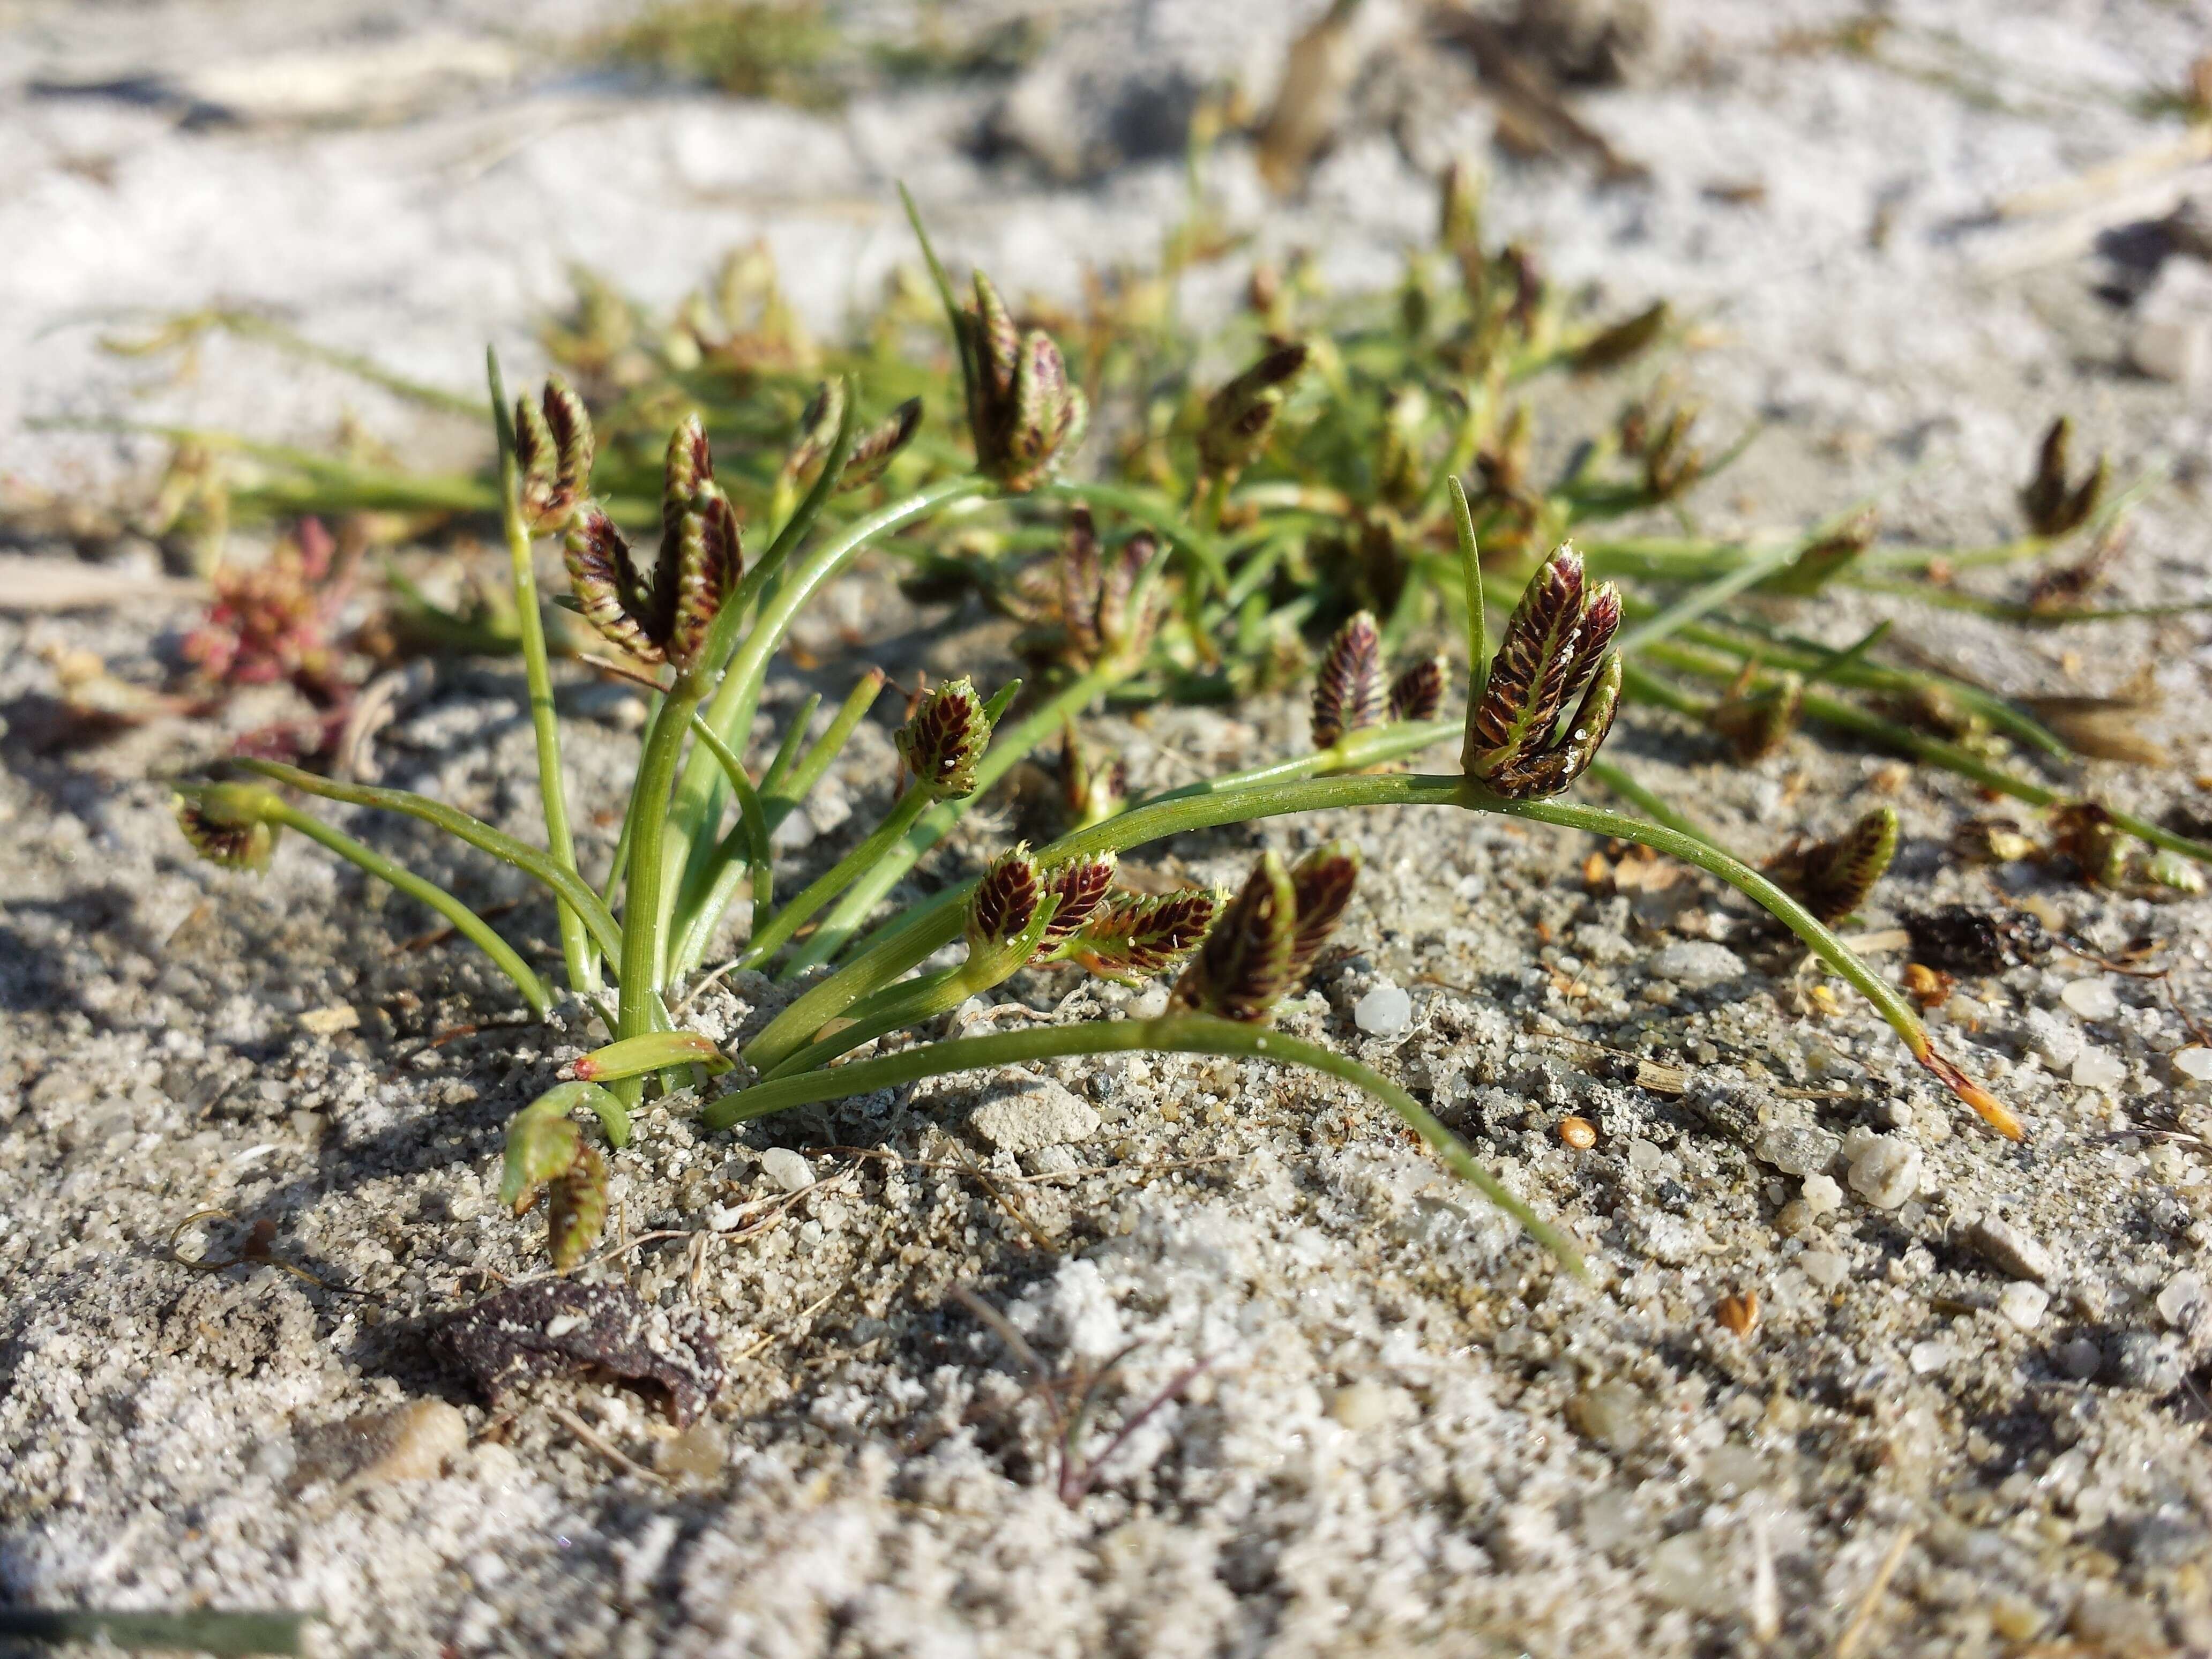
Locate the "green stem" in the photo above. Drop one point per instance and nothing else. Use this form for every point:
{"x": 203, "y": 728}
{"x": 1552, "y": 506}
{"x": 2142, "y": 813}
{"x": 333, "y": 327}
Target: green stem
{"x": 699, "y": 799}
{"x": 877, "y": 878}
{"x": 465, "y": 920}
{"x": 641, "y": 896}
{"x": 577, "y": 951}
{"x": 209, "y": 1629}
{"x": 1833, "y": 711}
{"x": 925, "y": 929}
{"x": 564, "y": 884}
{"x": 855, "y": 864}
{"x": 1193, "y": 1034}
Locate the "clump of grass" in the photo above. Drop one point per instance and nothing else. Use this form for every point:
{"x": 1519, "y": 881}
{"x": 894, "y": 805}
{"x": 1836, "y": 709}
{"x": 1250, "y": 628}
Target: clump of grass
{"x": 702, "y": 618}
{"x": 782, "y": 50}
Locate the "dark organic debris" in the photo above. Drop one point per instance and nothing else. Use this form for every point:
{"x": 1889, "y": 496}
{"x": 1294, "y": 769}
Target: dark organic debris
{"x": 1957, "y": 939}
{"x": 552, "y": 1326}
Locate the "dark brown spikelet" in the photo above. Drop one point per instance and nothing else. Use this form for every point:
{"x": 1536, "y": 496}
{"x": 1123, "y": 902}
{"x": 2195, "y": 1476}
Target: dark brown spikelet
{"x": 1005, "y": 899}
{"x": 533, "y": 461}
{"x": 1557, "y": 643}
{"x": 689, "y": 463}
{"x": 998, "y": 341}
{"x": 1081, "y": 885}
{"x": 710, "y": 559}
{"x": 1133, "y": 936}
{"x": 2053, "y": 507}
{"x": 1244, "y": 966}
{"x": 1348, "y": 692}
{"x": 576, "y": 1209}
{"x": 944, "y": 738}
{"x": 1612, "y": 347}
{"x": 1832, "y": 878}
{"x": 553, "y": 449}
{"x": 1023, "y": 412}
{"x": 1239, "y": 416}
{"x": 1419, "y": 692}
{"x": 818, "y": 429}
{"x": 605, "y": 578}
{"x": 1321, "y": 882}
{"x": 1957, "y": 939}
{"x": 874, "y": 450}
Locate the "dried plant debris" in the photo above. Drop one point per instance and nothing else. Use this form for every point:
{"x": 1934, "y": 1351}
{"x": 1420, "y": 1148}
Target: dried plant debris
{"x": 552, "y": 1327}
{"x": 1958, "y": 939}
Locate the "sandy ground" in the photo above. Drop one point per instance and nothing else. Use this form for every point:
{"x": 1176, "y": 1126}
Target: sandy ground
{"x": 1967, "y": 1422}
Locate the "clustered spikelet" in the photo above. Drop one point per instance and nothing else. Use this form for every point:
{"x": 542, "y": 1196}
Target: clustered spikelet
{"x": 1672, "y": 463}
{"x": 1832, "y": 878}
{"x": 1419, "y": 692}
{"x": 272, "y": 620}
{"x": 665, "y": 616}
{"x": 576, "y": 1210}
{"x": 1614, "y": 346}
{"x": 1024, "y": 412}
{"x": 1081, "y": 886}
{"x": 1005, "y": 899}
{"x": 1093, "y": 606}
{"x": 1240, "y": 415}
{"x": 553, "y": 446}
{"x": 1133, "y": 936}
{"x": 874, "y": 450}
{"x": 944, "y": 739}
{"x": 2055, "y": 507}
{"x": 225, "y": 826}
{"x": 1349, "y": 693}
{"x": 1757, "y": 724}
{"x": 1556, "y": 645}
{"x": 1269, "y": 935}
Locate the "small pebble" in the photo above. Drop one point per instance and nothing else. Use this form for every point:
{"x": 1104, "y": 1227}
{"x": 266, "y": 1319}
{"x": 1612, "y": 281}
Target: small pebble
{"x": 1798, "y": 1149}
{"x": 2179, "y": 1303}
{"x": 1611, "y": 1414}
{"x": 2142, "y": 1360}
{"x": 1821, "y": 1195}
{"x": 2093, "y": 1068}
{"x": 1578, "y": 1133}
{"x": 2092, "y": 999}
{"x": 1886, "y": 1171}
{"x": 1696, "y": 964}
{"x": 2021, "y": 1305}
{"x": 406, "y": 1443}
{"x": 2052, "y": 1040}
{"x": 2008, "y": 1248}
{"x": 1825, "y": 1269}
{"x": 1643, "y": 1155}
{"x": 1383, "y": 1012}
{"x": 786, "y": 1168}
{"x": 1031, "y": 1114}
{"x": 2194, "y": 1063}
{"x": 1366, "y": 1405}
{"x": 1930, "y": 1356}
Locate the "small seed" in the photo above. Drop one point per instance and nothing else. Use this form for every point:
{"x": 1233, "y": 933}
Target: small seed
{"x": 1578, "y": 1133}
{"x": 1738, "y": 1311}
{"x": 1926, "y": 986}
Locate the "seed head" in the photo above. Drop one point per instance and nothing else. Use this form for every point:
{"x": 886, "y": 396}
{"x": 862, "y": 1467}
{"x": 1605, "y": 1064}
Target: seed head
{"x": 1419, "y": 692}
{"x": 944, "y": 738}
{"x": 708, "y": 559}
{"x": 1757, "y": 724}
{"x": 874, "y": 450}
{"x": 604, "y": 576}
{"x": 226, "y": 825}
{"x": 1556, "y": 644}
{"x": 577, "y": 1214}
{"x": 1094, "y": 606}
{"x": 1023, "y": 412}
{"x": 1614, "y": 346}
{"x": 1321, "y": 883}
{"x": 1081, "y": 885}
{"x": 2053, "y": 507}
{"x": 1005, "y": 900}
{"x": 1348, "y": 693}
{"x": 1832, "y": 878}
{"x": 1132, "y": 936}
{"x": 1239, "y": 416}
{"x": 1248, "y": 962}
{"x": 553, "y": 446}
{"x": 1822, "y": 561}
{"x": 1671, "y": 463}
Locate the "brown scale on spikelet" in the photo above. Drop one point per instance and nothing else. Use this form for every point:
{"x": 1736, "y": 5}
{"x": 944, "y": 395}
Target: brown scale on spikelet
{"x": 1133, "y": 936}
{"x": 1832, "y": 878}
{"x": 1557, "y": 643}
{"x": 944, "y": 738}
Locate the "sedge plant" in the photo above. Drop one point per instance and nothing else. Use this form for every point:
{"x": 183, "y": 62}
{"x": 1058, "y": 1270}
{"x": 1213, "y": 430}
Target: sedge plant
{"x": 704, "y": 619}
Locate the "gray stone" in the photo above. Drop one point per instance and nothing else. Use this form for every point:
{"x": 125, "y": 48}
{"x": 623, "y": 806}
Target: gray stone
{"x": 1696, "y": 964}
{"x": 1029, "y": 1114}
{"x": 1383, "y": 1012}
{"x": 1799, "y": 1149}
{"x": 2010, "y": 1249}
{"x": 2142, "y": 1360}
